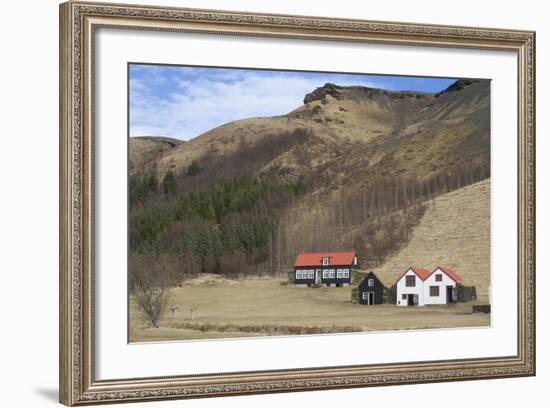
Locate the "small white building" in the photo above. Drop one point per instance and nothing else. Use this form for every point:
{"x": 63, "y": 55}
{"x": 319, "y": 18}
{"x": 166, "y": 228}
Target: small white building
{"x": 419, "y": 287}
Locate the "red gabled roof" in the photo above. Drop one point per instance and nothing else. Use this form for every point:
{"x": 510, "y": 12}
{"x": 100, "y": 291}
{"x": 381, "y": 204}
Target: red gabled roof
{"x": 420, "y": 272}
{"x": 449, "y": 273}
{"x": 316, "y": 258}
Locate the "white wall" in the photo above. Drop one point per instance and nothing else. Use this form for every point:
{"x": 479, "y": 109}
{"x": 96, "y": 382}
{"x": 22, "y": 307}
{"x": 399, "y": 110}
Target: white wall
{"x": 417, "y": 289}
{"x": 445, "y": 281}
{"x": 28, "y": 216}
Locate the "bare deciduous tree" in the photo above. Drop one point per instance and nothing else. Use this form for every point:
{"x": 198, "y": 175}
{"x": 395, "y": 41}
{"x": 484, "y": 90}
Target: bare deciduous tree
{"x": 149, "y": 282}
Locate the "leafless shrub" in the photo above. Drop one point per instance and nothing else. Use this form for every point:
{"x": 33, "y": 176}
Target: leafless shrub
{"x": 149, "y": 283}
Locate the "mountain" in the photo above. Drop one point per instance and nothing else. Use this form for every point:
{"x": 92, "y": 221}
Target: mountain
{"x": 146, "y": 151}
{"x": 339, "y": 136}
{"x": 352, "y": 168}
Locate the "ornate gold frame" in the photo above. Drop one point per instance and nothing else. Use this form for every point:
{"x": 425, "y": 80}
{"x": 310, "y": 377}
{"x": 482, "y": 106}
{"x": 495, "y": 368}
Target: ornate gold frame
{"x": 78, "y": 21}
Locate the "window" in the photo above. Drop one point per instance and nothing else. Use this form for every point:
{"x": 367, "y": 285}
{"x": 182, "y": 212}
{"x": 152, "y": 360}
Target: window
{"x": 355, "y": 260}
{"x": 298, "y": 274}
{"x": 410, "y": 280}
{"x": 371, "y": 282}
{"x": 434, "y": 290}
{"x": 365, "y": 295}
{"x": 438, "y": 277}
{"x": 404, "y": 296}
{"x": 325, "y": 260}
{"x": 325, "y": 274}
{"x": 331, "y": 273}
{"x": 345, "y": 273}
{"x": 311, "y": 274}
{"x": 339, "y": 273}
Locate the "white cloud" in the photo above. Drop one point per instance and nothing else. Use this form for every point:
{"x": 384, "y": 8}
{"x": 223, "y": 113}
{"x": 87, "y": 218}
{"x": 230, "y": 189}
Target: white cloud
{"x": 195, "y": 104}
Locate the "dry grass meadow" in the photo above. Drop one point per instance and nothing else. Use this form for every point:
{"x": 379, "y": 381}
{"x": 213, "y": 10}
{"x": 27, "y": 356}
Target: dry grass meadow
{"x": 267, "y": 307}
{"x": 455, "y": 232}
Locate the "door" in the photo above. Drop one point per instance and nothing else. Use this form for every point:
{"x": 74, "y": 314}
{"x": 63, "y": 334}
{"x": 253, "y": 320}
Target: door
{"x": 317, "y": 276}
{"x": 370, "y": 298}
{"x": 412, "y": 300}
{"x": 450, "y": 297}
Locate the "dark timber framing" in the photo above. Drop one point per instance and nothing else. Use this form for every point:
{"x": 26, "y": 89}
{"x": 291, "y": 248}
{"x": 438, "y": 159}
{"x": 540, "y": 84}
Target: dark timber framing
{"x": 333, "y": 275}
{"x": 371, "y": 290}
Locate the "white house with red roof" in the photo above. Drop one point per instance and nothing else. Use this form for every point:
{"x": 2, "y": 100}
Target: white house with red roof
{"x": 419, "y": 287}
{"x": 324, "y": 268}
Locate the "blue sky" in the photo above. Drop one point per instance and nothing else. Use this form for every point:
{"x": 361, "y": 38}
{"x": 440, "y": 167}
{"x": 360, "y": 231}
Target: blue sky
{"x": 183, "y": 102}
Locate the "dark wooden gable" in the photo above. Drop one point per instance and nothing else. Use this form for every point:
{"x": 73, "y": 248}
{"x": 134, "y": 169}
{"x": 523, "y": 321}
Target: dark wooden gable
{"x": 377, "y": 288}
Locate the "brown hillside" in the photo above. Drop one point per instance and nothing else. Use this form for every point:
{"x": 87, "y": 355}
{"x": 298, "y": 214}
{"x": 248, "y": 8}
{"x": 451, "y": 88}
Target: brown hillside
{"x": 146, "y": 151}
{"x": 454, "y": 232}
{"x": 361, "y": 162}
{"x": 340, "y": 136}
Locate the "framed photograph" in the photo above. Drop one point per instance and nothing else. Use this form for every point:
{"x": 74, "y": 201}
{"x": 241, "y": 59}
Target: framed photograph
{"x": 255, "y": 203}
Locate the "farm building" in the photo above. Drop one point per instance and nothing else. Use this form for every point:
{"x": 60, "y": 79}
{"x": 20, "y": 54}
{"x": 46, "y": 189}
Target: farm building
{"x": 324, "y": 268}
{"x": 371, "y": 290}
{"x": 419, "y": 287}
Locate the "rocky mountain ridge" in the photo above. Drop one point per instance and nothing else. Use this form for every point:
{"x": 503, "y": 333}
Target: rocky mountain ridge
{"x": 340, "y": 136}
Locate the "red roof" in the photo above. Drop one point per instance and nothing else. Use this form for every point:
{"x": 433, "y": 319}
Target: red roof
{"x": 424, "y": 273}
{"x": 420, "y": 272}
{"x": 316, "y": 258}
{"x": 449, "y": 273}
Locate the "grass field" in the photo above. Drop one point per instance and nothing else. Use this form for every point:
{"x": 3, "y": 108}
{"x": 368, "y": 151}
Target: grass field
{"x": 265, "y": 307}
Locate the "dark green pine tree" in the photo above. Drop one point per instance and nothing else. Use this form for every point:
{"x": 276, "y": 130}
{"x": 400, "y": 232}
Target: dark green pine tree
{"x": 193, "y": 168}
{"x": 152, "y": 183}
{"x": 169, "y": 183}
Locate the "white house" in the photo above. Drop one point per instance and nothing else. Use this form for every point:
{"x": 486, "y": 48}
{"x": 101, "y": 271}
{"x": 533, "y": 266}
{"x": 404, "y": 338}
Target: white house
{"x": 419, "y": 287}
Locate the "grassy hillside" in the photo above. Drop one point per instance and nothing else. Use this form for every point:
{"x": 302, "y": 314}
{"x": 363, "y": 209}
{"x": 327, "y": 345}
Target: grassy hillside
{"x": 454, "y": 232}
{"x": 145, "y": 152}
{"x": 340, "y": 136}
{"x": 350, "y": 169}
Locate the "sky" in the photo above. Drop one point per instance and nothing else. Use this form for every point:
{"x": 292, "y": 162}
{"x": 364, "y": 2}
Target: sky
{"x": 184, "y": 102}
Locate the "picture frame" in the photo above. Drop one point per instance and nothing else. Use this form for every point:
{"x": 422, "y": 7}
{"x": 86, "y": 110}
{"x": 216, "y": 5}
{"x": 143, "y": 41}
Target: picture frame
{"x": 79, "y": 23}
